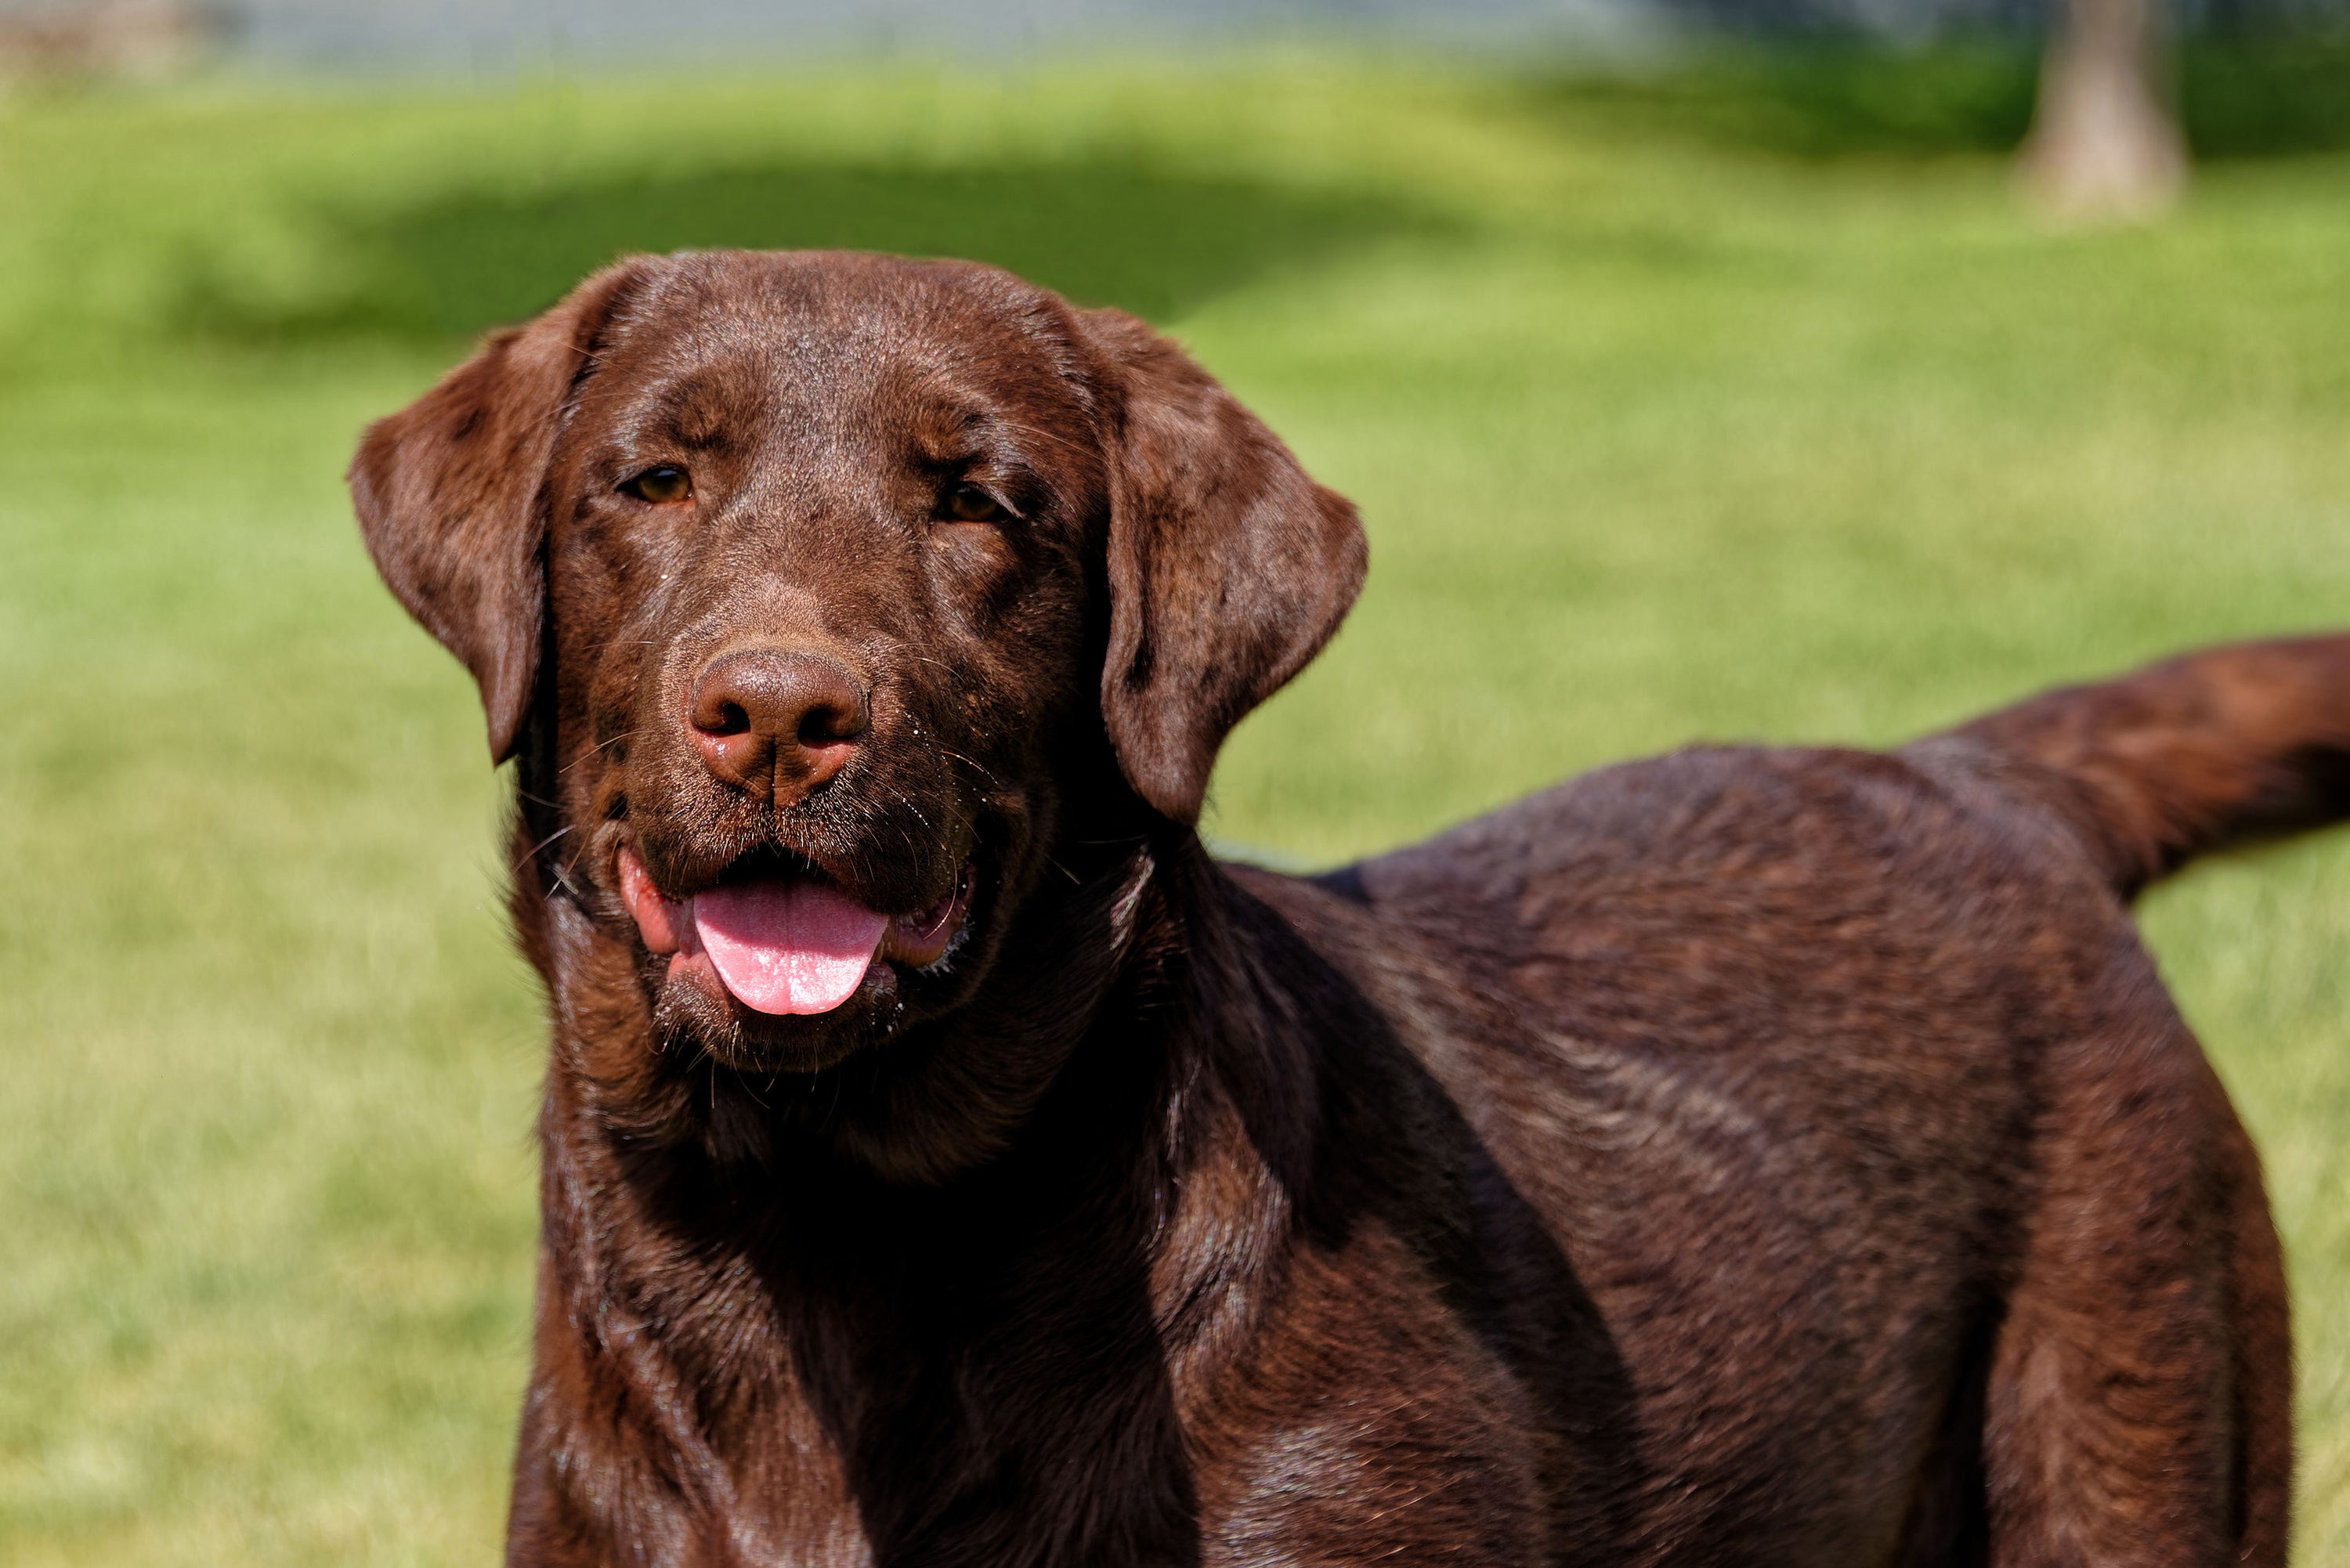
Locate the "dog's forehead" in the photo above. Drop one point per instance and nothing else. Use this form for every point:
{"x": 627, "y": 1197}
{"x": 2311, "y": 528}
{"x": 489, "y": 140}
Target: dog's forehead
{"x": 719, "y": 340}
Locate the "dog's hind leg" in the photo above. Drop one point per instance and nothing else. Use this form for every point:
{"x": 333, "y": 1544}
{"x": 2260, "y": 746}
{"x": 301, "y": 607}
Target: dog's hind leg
{"x": 2263, "y": 1339}
{"x": 2139, "y": 1408}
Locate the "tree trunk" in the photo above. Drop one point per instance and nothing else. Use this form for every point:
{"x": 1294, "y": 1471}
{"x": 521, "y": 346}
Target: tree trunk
{"x": 2104, "y": 144}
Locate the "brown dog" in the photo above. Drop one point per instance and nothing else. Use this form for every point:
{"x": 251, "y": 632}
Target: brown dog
{"x": 1748, "y": 1156}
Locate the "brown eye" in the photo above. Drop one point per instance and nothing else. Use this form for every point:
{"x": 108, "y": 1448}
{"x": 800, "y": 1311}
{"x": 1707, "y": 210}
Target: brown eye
{"x": 969, "y": 504}
{"x": 660, "y": 484}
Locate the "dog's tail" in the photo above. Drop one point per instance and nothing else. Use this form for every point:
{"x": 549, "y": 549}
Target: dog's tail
{"x": 2232, "y": 744}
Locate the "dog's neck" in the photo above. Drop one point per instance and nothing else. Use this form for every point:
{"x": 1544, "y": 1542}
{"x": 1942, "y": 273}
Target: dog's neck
{"x": 1146, "y": 1104}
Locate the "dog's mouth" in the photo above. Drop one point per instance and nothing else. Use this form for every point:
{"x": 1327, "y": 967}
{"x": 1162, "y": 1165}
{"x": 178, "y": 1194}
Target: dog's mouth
{"x": 785, "y": 938}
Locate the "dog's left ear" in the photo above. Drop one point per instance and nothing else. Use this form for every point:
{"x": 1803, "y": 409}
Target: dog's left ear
{"x": 447, "y": 492}
{"x": 1229, "y": 568}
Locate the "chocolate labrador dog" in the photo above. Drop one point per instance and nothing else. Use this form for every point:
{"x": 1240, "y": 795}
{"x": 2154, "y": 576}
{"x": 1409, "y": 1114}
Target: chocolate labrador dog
{"x": 1756, "y": 1157}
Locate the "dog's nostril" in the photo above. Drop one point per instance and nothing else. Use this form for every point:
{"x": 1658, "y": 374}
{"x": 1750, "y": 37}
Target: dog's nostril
{"x": 730, "y": 721}
{"x": 826, "y": 726}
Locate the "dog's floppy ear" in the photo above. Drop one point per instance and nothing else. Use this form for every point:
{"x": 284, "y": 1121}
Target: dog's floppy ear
{"x": 447, "y": 492}
{"x": 1229, "y": 568}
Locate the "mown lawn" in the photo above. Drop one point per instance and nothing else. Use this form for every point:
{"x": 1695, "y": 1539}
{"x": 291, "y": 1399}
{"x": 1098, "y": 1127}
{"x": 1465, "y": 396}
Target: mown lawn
{"x": 1669, "y": 421}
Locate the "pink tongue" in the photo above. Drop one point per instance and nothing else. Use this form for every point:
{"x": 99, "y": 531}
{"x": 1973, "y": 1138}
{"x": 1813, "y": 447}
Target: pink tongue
{"x": 788, "y": 947}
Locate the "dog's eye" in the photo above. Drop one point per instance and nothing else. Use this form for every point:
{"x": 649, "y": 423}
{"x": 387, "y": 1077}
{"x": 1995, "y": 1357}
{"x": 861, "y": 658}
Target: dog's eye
{"x": 969, "y": 504}
{"x": 660, "y": 484}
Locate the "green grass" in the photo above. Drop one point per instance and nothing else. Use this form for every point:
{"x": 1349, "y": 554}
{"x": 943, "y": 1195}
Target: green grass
{"x": 1667, "y": 424}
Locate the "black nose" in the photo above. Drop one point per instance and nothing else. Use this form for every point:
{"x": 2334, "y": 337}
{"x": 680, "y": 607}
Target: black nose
{"x": 776, "y": 723}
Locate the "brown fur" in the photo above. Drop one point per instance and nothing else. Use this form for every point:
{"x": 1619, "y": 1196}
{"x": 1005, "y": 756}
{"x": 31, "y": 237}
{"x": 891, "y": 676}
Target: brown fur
{"x": 1748, "y": 1156}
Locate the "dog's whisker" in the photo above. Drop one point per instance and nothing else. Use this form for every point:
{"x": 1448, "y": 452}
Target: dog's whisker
{"x": 595, "y": 751}
{"x": 536, "y": 850}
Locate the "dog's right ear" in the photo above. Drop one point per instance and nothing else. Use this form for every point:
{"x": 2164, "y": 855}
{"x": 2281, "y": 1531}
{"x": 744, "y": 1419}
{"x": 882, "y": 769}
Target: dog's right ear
{"x": 448, "y": 493}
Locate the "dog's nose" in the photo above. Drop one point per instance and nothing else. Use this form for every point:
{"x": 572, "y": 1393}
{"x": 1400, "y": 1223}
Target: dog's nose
{"x": 774, "y": 722}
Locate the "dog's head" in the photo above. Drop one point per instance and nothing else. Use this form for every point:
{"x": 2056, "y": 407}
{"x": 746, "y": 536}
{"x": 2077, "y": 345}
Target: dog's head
{"x": 833, "y": 594}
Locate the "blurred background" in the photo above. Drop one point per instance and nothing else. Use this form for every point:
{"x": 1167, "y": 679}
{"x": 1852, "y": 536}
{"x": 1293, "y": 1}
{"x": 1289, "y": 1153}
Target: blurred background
{"x": 1792, "y": 370}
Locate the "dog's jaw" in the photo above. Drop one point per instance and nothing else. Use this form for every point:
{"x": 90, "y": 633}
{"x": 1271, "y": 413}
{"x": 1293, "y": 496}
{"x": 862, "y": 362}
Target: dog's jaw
{"x": 780, "y": 967}
{"x": 793, "y": 947}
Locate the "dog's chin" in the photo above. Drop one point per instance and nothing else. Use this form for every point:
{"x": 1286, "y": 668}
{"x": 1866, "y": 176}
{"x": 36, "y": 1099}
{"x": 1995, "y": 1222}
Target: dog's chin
{"x": 694, "y": 1013}
{"x": 790, "y": 973}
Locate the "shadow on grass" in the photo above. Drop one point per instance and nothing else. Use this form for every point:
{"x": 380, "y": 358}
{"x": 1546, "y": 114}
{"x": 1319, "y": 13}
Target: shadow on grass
{"x": 1107, "y": 232}
{"x": 2266, "y": 100}
{"x": 2238, "y": 99}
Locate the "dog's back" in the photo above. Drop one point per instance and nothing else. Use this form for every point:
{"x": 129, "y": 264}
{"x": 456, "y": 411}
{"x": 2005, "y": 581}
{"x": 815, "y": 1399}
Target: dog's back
{"x": 1848, "y": 1069}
